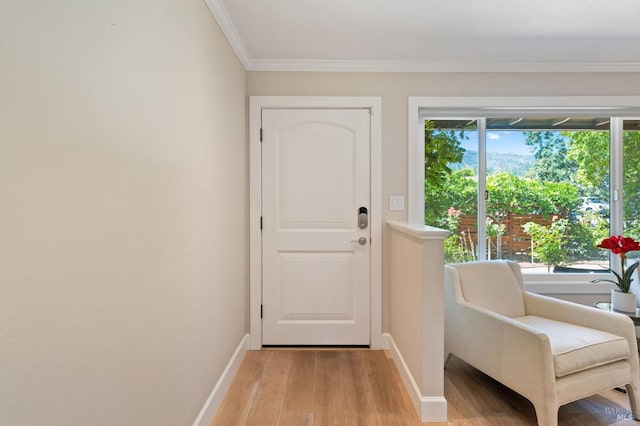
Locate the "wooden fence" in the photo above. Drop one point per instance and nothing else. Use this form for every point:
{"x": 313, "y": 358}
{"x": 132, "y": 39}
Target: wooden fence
{"x": 515, "y": 243}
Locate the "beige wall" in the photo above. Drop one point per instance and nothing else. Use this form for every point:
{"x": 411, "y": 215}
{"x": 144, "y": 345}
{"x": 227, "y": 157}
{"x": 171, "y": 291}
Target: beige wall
{"x": 123, "y": 230}
{"x": 407, "y": 299}
{"x": 395, "y": 88}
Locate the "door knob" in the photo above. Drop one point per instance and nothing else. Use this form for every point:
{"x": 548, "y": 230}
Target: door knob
{"x": 362, "y": 241}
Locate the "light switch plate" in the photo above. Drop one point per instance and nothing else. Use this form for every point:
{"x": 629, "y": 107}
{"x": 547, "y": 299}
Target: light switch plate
{"x": 396, "y": 203}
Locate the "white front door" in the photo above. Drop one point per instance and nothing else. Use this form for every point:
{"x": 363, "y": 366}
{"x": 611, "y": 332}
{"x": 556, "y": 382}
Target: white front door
{"x": 315, "y": 235}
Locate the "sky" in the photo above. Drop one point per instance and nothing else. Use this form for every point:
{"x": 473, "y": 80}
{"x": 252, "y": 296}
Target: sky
{"x": 501, "y": 141}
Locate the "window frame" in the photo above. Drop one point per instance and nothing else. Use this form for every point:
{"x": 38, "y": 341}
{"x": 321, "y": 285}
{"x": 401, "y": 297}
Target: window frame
{"x": 619, "y": 108}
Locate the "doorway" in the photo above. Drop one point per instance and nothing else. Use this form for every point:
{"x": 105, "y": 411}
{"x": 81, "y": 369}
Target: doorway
{"x": 315, "y": 221}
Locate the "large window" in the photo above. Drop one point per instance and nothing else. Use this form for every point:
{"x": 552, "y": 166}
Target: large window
{"x": 540, "y": 190}
{"x": 631, "y": 178}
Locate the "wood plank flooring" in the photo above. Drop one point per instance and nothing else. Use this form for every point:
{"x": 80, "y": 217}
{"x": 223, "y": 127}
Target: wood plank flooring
{"x": 362, "y": 387}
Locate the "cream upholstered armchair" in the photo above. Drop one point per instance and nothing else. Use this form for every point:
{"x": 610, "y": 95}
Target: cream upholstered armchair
{"x": 550, "y": 351}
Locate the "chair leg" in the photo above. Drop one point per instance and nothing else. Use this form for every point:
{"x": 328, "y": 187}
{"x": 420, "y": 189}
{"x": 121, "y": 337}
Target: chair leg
{"x": 634, "y": 404}
{"x": 547, "y": 416}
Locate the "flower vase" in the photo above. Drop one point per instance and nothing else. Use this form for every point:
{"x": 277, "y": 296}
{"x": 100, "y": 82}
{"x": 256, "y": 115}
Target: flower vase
{"x": 625, "y": 302}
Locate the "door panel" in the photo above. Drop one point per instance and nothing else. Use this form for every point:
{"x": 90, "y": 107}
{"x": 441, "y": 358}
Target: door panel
{"x": 315, "y": 178}
{"x": 305, "y": 296}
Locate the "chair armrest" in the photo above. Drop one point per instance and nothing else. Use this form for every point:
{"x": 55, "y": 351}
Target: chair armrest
{"x": 511, "y": 352}
{"x": 586, "y": 316}
{"x": 574, "y": 313}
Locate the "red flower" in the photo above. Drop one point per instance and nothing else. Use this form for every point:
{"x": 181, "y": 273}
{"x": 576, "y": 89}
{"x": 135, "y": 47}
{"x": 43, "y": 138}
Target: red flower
{"x": 619, "y": 244}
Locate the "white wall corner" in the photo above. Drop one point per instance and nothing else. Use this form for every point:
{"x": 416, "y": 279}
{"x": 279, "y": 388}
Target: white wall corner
{"x": 210, "y": 408}
{"x": 430, "y": 409}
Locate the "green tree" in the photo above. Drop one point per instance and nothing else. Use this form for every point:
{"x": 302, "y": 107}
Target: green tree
{"x": 441, "y": 148}
{"x": 584, "y": 233}
{"x": 458, "y": 190}
{"x": 507, "y": 193}
{"x": 590, "y": 152}
{"x": 631, "y": 184}
{"x": 549, "y": 243}
{"x": 494, "y": 230}
{"x": 458, "y": 247}
{"x": 552, "y": 162}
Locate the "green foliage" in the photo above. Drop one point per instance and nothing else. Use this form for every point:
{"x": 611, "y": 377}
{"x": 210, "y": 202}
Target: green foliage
{"x": 441, "y": 148}
{"x": 632, "y": 226}
{"x": 552, "y": 164}
{"x": 631, "y": 183}
{"x": 494, "y": 229}
{"x": 507, "y": 193}
{"x": 549, "y": 242}
{"x": 459, "y": 190}
{"x": 584, "y": 234}
{"x": 623, "y": 280}
{"x": 590, "y": 152}
{"x": 565, "y": 166}
{"x": 458, "y": 247}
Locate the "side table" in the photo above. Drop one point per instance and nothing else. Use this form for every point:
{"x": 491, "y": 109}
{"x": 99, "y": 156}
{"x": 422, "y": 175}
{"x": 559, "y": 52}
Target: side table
{"x": 606, "y": 306}
{"x": 635, "y": 317}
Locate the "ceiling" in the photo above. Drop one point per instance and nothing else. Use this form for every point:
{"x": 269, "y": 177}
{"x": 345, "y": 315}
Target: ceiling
{"x": 433, "y": 35}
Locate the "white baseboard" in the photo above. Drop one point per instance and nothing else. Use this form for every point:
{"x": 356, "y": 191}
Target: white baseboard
{"x": 430, "y": 409}
{"x": 210, "y": 408}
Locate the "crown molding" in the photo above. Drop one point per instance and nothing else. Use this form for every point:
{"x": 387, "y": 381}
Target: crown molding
{"x": 427, "y": 66}
{"x": 229, "y": 29}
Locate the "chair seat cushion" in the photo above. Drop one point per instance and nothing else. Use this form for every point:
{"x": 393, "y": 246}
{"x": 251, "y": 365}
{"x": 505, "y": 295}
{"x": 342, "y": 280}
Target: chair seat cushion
{"x": 576, "y": 348}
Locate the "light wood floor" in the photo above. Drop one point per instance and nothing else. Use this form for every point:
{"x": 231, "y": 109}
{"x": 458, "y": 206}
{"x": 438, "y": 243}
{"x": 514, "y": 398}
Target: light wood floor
{"x": 362, "y": 387}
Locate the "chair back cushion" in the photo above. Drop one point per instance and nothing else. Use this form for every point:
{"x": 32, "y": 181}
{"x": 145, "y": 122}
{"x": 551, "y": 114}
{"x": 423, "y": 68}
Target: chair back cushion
{"x": 495, "y": 285}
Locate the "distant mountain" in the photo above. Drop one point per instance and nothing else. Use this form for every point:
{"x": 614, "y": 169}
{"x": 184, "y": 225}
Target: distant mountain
{"x": 515, "y": 164}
